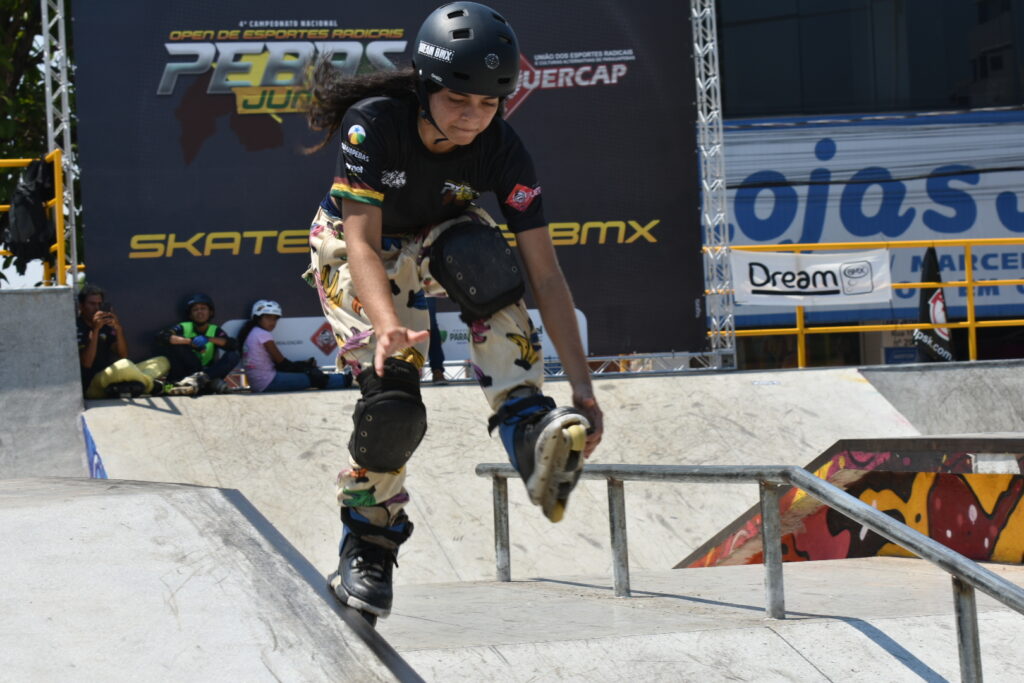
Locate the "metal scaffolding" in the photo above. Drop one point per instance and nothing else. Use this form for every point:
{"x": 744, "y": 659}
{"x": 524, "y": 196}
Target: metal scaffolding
{"x": 58, "y": 119}
{"x": 714, "y": 207}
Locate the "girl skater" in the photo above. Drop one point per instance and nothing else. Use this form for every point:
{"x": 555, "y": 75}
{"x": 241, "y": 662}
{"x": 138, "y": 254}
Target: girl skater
{"x": 399, "y": 224}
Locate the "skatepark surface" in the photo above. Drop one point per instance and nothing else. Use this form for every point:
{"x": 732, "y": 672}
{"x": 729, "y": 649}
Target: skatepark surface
{"x": 283, "y": 452}
{"x": 160, "y": 575}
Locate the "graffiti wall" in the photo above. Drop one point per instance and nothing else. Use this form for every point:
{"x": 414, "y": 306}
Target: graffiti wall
{"x": 937, "y": 492}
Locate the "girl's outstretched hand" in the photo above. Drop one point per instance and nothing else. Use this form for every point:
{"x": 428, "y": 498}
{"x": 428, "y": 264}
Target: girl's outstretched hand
{"x": 395, "y": 339}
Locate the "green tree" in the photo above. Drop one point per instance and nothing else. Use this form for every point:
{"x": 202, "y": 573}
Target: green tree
{"x": 22, "y": 89}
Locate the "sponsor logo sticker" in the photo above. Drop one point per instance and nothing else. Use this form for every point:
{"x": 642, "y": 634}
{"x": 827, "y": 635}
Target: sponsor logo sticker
{"x": 521, "y": 197}
{"x": 435, "y": 52}
{"x": 355, "y": 153}
{"x": 393, "y": 178}
{"x": 458, "y": 192}
{"x": 491, "y": 61}
{"x": 356, "y": 134}
{"x": 323, "y": 338}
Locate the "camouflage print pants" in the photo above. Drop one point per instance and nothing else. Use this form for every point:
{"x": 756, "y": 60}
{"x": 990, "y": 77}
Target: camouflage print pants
{"x": 505, "y": 350}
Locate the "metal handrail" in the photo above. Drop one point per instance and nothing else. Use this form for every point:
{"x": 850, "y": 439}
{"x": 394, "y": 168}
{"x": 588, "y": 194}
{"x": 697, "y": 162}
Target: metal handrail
{"x": 967, "y": 574}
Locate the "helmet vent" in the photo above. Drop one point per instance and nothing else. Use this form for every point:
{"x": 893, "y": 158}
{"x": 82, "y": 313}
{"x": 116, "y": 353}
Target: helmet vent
{"x": 457, "y": 13}
{"x": 460, "y": 76}
{"x": 462, "y": 34}
{"x": 505, "y": 81}
{"x": 505, "y": 39}
{"x": 499, "y": 18}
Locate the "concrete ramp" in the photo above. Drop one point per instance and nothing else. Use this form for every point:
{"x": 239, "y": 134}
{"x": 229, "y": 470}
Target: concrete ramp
{"x": 873, "y": 619}
{"x": 133, "y": 581}
{"x": 955, "y": 398}
{"x": 283, "y": 452}
{"x": 40, "y": 389}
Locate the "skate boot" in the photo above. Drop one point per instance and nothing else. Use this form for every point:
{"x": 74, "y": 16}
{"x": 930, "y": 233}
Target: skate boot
{"x": 130, "y": 389}
{"x": 545, "y": 444}
{"x": 193, "y": 385}
{"x": 363, "y": 579}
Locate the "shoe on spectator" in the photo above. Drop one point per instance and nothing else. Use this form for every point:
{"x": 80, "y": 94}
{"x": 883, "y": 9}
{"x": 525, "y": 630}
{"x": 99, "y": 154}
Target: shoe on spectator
{"x": 437, "y": 377}
{"x": 193, "y": 385}
{"x": 125, "y": 389}
{"x": 218, "y": 386}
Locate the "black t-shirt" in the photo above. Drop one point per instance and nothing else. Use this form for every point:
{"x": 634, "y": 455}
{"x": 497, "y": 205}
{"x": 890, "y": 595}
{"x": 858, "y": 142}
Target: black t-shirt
{"x": 383, "y": 162}
{"x": 106, "y": 348}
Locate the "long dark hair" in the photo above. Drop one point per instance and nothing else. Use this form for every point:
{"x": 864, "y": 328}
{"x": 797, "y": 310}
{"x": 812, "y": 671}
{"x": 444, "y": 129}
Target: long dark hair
{"x": 333, "y": 93}
{"x": 243, "y": 333}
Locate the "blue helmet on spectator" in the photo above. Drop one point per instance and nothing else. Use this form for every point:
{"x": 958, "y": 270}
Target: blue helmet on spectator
{"x": 198, "y": 298}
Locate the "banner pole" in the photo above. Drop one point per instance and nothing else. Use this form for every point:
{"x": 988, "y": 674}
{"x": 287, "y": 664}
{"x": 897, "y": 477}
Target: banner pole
{"x": 972, "y": 331}
{"x": 801, "y": 338}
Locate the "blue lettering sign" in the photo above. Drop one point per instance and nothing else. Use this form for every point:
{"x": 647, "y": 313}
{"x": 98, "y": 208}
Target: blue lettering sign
{"x": 783, "y": 207}
{"x": 1006, "y": 206}
{"x": 958, "y": 200}
{"x": 888, "y": 220}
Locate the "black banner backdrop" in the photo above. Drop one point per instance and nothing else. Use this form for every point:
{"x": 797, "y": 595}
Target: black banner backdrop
{"x": 194, "y": 178}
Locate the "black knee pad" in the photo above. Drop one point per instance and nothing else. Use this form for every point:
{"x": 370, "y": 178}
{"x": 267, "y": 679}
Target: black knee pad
{"x": 477, "y": 268}
{"x": 390, "y": 419}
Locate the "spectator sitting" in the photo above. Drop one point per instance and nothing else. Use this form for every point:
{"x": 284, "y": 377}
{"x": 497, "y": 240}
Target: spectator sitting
{"x": 103, "y": 353}
{"x": 193, "y": 346}
{"x": 265, "y": 365}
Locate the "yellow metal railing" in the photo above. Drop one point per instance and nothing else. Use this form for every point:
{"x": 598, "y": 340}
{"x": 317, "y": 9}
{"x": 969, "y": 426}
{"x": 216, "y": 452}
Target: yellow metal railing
{"x": 60, "y": 246}
{"x": 801, "y": 329}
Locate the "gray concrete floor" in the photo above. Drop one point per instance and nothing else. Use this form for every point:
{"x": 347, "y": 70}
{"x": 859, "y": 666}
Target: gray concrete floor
{"x": 865, "y": 620}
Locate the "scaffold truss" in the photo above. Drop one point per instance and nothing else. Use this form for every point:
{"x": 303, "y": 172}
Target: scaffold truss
{"x": 56, "y": 67}
{"x": 714, "y": 206}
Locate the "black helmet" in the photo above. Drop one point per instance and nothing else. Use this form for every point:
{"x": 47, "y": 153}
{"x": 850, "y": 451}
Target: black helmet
{"x": 198, "y": 298}
{"x": 469, "y": 48}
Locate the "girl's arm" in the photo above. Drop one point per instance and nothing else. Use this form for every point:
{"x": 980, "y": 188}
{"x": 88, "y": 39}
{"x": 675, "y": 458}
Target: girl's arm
{"x": 551, "y": 293}
{"x": 363, "y": 226}
{"x": 275, "y": 353}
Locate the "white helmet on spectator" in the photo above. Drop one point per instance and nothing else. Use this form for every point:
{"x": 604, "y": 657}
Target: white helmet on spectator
{"x": 266, "y": 307}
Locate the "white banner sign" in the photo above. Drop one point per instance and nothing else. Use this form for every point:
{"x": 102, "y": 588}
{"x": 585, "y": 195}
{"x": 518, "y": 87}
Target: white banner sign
{"x": 854, "y": 179}
{"x": 311, "y": 337}
{"x": 787, "y": 279}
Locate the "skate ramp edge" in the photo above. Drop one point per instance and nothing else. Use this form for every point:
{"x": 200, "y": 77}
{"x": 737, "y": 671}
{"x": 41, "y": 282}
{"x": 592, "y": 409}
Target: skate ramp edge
{"x": 40, "y": 386}
{"x": 967, "y": 397}
{"x": 167, "y": 581}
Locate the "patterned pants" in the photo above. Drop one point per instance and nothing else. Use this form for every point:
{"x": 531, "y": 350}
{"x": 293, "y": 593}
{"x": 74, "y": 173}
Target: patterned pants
{"x": 504, "y": 349}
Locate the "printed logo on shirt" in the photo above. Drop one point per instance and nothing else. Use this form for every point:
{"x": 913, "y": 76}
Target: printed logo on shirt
{"x": 433, "y": 51}
{"x": 356, "y": 134}
{"x": 393, "y": 178}
{"x": 460, "y": 193}
{"x": 354, "y": 168}
{"x": 353, "y": 152}
{"x": 521, "y": 197}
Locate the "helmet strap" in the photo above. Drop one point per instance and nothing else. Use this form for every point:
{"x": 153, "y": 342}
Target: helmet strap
{"x": 423, "y": 97}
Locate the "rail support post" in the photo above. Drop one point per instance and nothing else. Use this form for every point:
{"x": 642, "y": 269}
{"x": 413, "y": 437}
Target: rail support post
{"x": 771, "y": 538}
{"x": 501, "y": 542}
{"x": 967, "y": 631}
{"x": 620, "y": 547}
